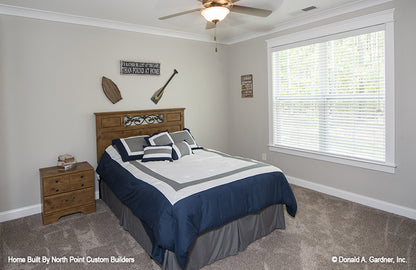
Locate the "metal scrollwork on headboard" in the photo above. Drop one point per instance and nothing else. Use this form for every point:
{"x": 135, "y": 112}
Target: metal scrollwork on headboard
{"x": 138, "y": 120}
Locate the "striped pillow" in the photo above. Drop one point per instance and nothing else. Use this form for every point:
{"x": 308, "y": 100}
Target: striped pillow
{"x": 157, "y": 153}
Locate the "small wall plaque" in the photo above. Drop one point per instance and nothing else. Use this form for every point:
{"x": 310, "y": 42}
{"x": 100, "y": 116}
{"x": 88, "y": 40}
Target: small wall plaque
{"x": 247, "y": 86}
{"x": 128, "y": 67}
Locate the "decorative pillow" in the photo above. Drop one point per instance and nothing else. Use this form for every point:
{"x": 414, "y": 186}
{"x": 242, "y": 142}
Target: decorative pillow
{"x": 184, "y": 135}
{"x": 162, "y": 138}
{"x": 157, "y": 153}
{"x": 130, "y": 148}
{"x": 181, "y": 149}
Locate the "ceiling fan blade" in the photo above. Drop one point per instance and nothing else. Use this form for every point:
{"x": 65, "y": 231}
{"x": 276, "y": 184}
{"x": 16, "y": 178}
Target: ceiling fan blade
{"x": 233, "y": 1}
{"x": 210, "y": 25}
{"x": 179, "y": 14}
{"x": 251, "y": 11}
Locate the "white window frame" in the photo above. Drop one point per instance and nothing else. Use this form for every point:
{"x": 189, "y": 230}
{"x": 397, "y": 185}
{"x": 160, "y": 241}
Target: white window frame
{"x": 384, "y": 18}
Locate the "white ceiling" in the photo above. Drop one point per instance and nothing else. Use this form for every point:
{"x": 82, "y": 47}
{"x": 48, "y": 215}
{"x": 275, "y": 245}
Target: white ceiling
{"x": 144, "y": 14}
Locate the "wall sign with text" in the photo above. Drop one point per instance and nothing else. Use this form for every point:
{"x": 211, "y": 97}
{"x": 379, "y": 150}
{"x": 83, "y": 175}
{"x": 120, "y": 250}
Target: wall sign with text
{"x": 247, "y": 86}
{"x": 141, "y": 68}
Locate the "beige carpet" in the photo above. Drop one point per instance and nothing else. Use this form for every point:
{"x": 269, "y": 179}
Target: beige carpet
{"x": 325, "y": 229}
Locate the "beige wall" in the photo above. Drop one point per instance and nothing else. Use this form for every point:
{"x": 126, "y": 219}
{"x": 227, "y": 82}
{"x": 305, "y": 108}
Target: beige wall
{"x": 249, "y": 117}
{"x": 50, "y": 86}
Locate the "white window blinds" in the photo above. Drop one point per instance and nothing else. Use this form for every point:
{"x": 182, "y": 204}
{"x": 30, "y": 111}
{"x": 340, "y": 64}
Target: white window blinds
{"x": 328, "y": 96}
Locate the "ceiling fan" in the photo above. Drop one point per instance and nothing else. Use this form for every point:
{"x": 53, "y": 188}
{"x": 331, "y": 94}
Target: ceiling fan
{"x": 215, "y": 11}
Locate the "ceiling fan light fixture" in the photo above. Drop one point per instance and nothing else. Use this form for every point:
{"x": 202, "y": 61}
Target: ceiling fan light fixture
{"x": 215, "y": 14}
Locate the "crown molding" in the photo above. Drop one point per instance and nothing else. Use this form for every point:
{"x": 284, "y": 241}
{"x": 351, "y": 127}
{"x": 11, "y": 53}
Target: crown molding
{"x": 314, "y": 17}
{"x": 369, "y": 20}
{"x": 96, "y": 22}
{"x": 117, "y": 25}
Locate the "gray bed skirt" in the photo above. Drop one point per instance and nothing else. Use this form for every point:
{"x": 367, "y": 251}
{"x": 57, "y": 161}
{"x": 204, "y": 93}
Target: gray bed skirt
{"x": 210, "y": 246}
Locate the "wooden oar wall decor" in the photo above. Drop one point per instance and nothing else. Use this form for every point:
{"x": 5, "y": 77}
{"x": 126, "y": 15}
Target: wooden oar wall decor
{"x": 158, "y": 94}
{"x": 111, "y": 90}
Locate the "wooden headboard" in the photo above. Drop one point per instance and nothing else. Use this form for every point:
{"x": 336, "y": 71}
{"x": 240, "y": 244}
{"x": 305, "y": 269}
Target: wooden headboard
{"x": 114, "y": 125}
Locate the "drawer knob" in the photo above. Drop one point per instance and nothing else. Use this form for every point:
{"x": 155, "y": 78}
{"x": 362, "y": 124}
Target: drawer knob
{"x": 69, "y": 201}
{"x": 57, "y": 190}
{"x": 56, "y": 181}
{"x": 82, "y": 176}
{"x": 82, "y": 185}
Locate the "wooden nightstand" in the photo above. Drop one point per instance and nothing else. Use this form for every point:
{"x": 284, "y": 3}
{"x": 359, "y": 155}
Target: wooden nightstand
{"x": 67, "y": 192}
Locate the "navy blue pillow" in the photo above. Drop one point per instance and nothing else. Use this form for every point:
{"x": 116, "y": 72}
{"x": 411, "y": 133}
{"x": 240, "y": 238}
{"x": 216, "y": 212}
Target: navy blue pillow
{"x": 130, "y": 148}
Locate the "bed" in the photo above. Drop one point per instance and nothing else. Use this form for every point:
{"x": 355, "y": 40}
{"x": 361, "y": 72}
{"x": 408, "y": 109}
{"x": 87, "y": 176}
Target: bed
{"x": 189, "y": 212}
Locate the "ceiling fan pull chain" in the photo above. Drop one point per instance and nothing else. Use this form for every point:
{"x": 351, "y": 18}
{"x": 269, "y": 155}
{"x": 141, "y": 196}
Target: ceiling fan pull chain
{"x": 215, "y": 38}
{"x": 215, "y": 35}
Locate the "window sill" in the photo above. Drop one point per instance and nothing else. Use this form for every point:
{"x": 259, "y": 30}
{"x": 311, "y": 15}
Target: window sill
{"x": 383, "y": 167}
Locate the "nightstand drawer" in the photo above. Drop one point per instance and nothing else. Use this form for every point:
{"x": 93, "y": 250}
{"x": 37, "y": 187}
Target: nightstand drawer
{"x": 56, "y": 185}
{"x": 81, "y": 180}
{"x": 68, "y": 200}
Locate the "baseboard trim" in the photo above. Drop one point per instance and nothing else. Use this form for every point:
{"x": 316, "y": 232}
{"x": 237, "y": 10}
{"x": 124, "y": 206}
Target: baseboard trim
{"x": 354, "y": 197}
{"x": 27, "y": 211}
{"x": 20, "y": 212}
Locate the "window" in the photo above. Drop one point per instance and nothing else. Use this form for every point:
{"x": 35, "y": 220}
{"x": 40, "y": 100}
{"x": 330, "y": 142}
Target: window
{"x": 331, "y": 95}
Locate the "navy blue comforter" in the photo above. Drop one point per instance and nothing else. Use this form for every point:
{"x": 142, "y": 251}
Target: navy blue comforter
{"x": 175, "y": 227}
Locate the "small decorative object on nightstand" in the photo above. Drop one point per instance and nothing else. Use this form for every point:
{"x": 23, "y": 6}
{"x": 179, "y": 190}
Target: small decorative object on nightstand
{"x": 67, "y": 192}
